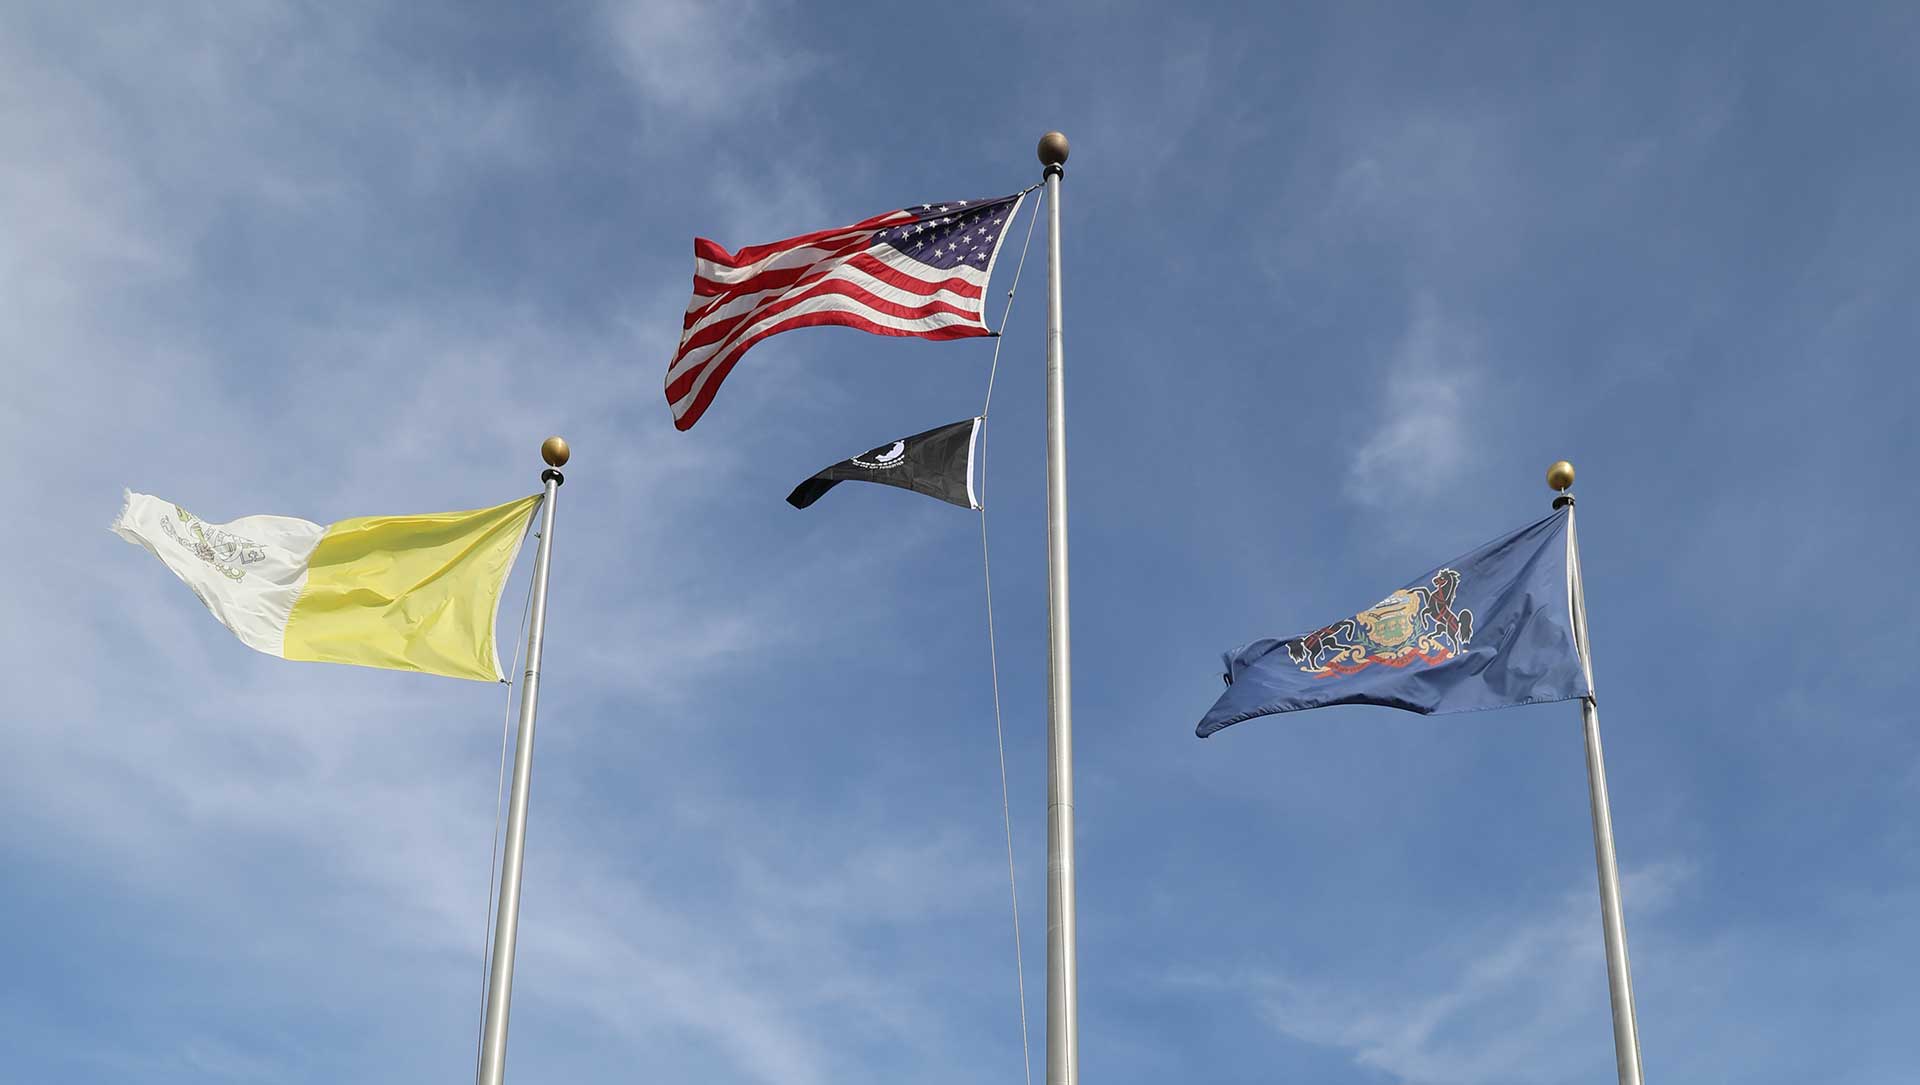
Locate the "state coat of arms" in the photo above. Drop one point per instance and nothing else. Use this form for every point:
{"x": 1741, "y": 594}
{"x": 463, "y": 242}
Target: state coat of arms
{"x": 1413, "y": 625}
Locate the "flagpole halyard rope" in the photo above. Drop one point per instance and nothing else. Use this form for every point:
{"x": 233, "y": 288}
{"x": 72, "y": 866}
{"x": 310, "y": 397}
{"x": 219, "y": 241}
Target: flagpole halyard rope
{"x": 994, "y": 370}
{"x": 493, "y": 853}
{"x": 1006, "y": 810}
{"x": 993, "y": 659}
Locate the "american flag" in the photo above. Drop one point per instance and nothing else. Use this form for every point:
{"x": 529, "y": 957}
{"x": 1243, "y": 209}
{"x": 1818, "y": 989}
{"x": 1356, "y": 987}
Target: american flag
{"x": 921, "y": 271}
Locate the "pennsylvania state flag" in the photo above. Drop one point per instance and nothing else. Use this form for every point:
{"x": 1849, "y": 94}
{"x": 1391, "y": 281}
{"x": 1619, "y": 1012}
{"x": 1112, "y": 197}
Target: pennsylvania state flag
{"x": 1488, "y": 629}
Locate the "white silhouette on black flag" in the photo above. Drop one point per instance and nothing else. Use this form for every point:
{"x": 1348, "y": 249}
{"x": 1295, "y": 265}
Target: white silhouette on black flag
{"x": 938, "y": 463}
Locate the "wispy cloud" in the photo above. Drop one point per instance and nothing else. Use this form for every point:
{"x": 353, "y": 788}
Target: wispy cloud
{"x": 1522, "y": 999}
{"x": 699, "y": 61}
{"x": 1167, "y": 101}
{"x": 328, "y": 828}
{"x": 1419, "y": 440}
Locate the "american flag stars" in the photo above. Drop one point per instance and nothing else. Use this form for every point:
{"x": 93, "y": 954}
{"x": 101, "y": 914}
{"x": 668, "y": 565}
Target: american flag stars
{"x": 960, "y": 233}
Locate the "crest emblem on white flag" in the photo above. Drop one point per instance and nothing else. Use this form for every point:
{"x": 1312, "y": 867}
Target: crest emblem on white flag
{"x": 248, "y": 572}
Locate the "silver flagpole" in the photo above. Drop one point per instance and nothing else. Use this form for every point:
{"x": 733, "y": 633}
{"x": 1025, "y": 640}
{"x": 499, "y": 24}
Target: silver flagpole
{"x": 1626, "y": 1030}
{"x": 1063, "y": 999}
{"x": 493, "y": 1042}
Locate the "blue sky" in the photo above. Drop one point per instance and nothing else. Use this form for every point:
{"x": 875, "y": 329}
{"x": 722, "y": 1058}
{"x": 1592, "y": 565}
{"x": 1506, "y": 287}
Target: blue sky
{"x": 1341, "y": 281}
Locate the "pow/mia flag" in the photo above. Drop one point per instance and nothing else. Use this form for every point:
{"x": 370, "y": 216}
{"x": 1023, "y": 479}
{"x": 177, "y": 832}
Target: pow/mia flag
{"x": 938, "y": 463}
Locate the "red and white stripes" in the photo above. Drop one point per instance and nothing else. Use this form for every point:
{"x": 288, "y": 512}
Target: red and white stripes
{"x": 848, "y": 276}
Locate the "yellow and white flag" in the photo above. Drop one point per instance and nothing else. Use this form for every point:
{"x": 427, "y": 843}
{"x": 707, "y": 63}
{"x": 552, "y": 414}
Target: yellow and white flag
{"x": 412, "y": 593}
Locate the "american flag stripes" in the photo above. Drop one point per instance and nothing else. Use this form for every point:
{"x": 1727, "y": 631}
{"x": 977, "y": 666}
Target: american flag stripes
{"x": 921, "y": 271}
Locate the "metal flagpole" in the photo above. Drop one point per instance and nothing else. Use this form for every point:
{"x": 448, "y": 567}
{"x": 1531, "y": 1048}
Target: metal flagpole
{"x": 1626, "y": 1030}
{"x": 493, "y": 1043}
{"x": 1063, "y": 1029}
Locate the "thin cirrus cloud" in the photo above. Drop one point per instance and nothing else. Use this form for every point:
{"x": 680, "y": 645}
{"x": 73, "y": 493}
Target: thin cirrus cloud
{"x": 1418, "y": 441}
{"x": 293, "y": 801}
{"x": 702, "y": 62}
{"x": 1493, "y": 1003}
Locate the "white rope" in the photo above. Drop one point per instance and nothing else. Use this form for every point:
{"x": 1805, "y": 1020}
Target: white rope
{"x": 1006, "y": 810}
{"x": 493, "y": 854}
{"x": 993, "y": 659}
{"x": 1015, "y": 285}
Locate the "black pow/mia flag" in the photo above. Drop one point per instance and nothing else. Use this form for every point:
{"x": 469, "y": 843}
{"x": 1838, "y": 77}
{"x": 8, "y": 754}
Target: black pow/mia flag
{"x": 938, "y": 463}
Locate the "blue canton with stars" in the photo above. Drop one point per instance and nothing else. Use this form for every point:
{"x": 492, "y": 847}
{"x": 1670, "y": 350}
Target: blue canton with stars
{"x": 953, "y": 234}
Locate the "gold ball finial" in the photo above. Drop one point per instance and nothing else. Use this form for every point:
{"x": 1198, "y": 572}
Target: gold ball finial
{"x": 554, "y": 450}
{"x": 1053, "y": 149}
{"x": 1560, "y": 475}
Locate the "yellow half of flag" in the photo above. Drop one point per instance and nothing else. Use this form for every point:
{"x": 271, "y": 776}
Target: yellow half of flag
{"x": 410, "y": 593}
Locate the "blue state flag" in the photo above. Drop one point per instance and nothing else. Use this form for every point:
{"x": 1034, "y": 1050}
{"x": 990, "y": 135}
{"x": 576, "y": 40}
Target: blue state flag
{"x": 1489, "y": 629}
